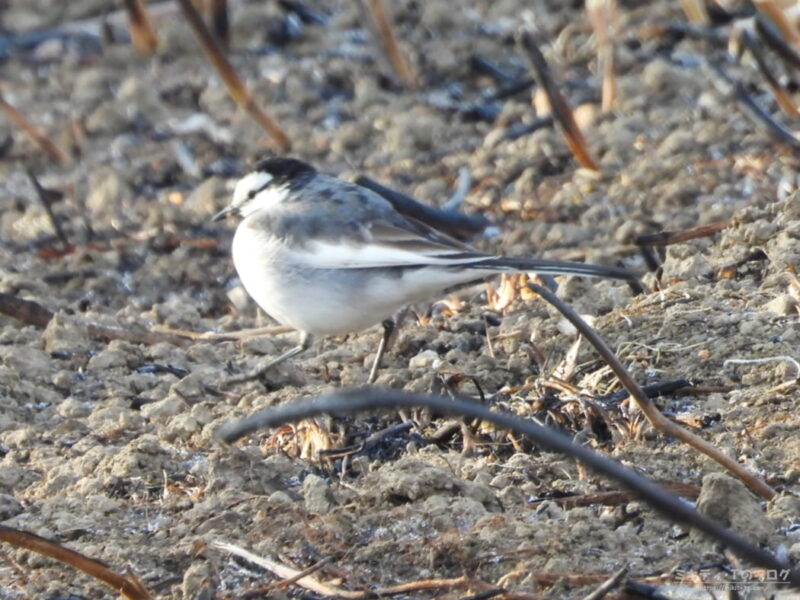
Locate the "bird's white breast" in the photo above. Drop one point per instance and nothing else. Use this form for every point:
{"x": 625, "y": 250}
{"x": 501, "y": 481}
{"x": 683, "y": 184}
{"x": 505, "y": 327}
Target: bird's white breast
{"x": 293, "y": 293}
{"x": 254, "y": 256}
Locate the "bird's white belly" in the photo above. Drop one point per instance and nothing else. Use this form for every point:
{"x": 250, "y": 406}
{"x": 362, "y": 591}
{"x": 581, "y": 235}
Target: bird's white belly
{"x": 296, "y": 295}
{"x": 327, "y": 301}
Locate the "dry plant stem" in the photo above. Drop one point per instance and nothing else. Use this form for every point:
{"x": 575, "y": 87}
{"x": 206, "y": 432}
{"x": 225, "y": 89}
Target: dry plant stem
{"x": 576, "y": 579}
{"x": 423, "y": 584}
{"x": 463, "y": 185}
{"x": 27, "y": 311}
{"x": 667, "y": 238}
{"x": 770, "y": 35}
{"x": 143, "y": 35}
{"x": 33, "y": 313}
{"x": 695, "y": 11}
{"x": 220, "y": 23}
{"x": 380, "y": 26}
{"x": 214, "y": 336}
{"x": 602, "y": 14}
{"x": 369, "y": 442}
{"x": 284, "y": 583}
{"x": 657, "y": 420}
{"x": 351, "y": 401}
{"x": 776, "y": 14}
{"x": 766, "y": 359}
{"x": 784, "y": 99}
{"x": 607, "y": 585}
{"x": 487, "y": 594}
{"x": 609, "y": 93}
{"x": 130, "y": 588}
{"x": 760, "y": 117}
{"x": 285, "y": 572}
{"x": 147, "y": 338}
{"x": 235, "y": 86}
{"x": 558, "y": 104}
{"x": 686, "y": 490}
{"x": 41, "y": 194}
{"x": 44, "y": 142}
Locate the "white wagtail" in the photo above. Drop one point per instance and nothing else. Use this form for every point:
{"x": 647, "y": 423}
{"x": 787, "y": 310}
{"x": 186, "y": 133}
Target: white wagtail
{"x": 327, "y": 257}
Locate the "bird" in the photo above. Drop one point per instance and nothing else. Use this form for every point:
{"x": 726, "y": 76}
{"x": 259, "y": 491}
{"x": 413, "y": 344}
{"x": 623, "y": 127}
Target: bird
{"x": 327, "y": 257}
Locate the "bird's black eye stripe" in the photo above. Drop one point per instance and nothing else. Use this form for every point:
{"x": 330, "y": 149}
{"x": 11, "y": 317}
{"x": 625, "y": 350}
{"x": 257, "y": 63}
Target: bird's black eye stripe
{"x": 252, "y": 193}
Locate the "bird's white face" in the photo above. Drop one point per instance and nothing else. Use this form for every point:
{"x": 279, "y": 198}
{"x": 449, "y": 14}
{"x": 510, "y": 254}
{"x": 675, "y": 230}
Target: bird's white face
{"x": 257, "y": 191}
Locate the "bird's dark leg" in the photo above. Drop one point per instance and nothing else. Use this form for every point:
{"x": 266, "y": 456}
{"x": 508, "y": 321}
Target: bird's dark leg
{"x": 305, "y": 343}
{"x": 389, "y": 327}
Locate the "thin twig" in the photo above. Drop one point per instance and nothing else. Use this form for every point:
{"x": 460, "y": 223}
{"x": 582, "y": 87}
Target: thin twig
{"x": 667, "y": 238}
{"x": 603, "y": 16}
{"x": 369, "y": 442}
{"x": 131, "y": 588}
{"x": 233, "y": 336}
{"x": 285, "y": 572}
{"x": 772, "y": 37}
{"x": 145, "y": 337}
{"x": 653, "y": 391}
{"x": 143, "y": 35}
{"x": 607, "y": 585}
{"x": 484, "y": 595}
{"x": 756, "y": 113}
{"x": 759, "y": 361}
{"x": 423, "y": 584}
{"x": 615, "y": 498}
{"x": 44, "y": 198}
{"x": 782, "y": 95}
{"x": 512, "y": 89}
{"x": 220, "y": 22}
{"x": 374, "y": 13}
{"x": 234, "y": 84}
{"x": 27, "y": 311}
{"x": 41, "y": 140}
{"x": 695, "y": 11}
{"x": 462, "y": 189}
{"x": 776, "y": 13}
{"x": 284, "y": 583}
{"x": 550, "y": 578}
{"x": 487, "y": 66}
{"x": 558, "y": 104}
{"x": 33, "y": 313}
{"x": 357, "y": 400}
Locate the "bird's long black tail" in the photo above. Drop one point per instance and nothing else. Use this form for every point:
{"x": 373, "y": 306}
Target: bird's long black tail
{"x": 557, "y": 267}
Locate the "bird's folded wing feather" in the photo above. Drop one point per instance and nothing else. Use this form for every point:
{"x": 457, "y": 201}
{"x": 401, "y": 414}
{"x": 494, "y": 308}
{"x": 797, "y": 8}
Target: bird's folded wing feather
{"x": 384, "y": 244}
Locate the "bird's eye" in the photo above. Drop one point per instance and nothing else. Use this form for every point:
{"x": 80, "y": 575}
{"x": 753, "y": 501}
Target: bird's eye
{"x": 251, "y": 194}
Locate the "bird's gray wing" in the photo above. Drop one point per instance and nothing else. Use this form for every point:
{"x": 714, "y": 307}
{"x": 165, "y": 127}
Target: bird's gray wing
{"x": 357, "y": 229}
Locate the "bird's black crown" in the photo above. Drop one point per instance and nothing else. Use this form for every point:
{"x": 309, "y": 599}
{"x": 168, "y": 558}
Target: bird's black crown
{"x": 285, "y": 170}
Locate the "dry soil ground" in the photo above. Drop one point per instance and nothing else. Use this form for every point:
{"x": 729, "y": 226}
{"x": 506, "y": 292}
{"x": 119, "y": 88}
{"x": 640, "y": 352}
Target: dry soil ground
{"x": 108, "y": 446}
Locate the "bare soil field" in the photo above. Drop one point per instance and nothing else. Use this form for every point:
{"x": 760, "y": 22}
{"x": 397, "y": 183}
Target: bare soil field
{"x": 107, "y": 445}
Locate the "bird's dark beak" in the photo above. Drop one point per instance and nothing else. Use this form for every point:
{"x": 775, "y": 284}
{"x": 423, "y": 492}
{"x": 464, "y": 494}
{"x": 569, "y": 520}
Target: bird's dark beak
{"x": 225, "y": 212}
